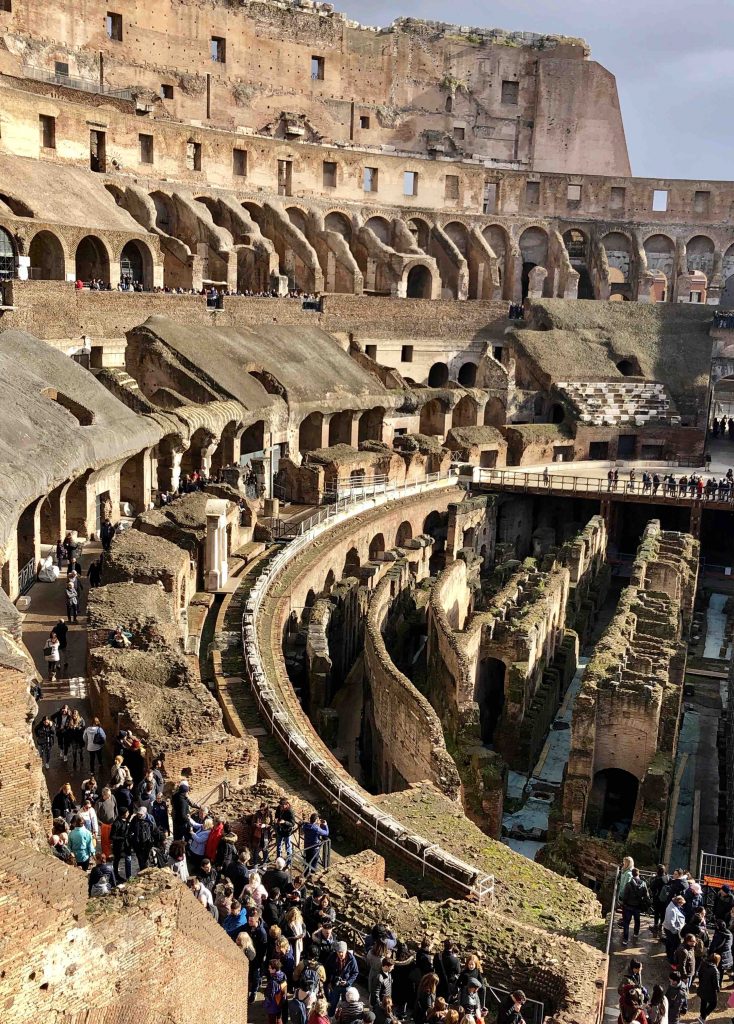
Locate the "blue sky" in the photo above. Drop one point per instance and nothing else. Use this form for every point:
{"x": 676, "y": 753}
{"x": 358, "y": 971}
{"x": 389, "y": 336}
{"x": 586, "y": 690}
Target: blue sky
{"x": 674, "y": 64}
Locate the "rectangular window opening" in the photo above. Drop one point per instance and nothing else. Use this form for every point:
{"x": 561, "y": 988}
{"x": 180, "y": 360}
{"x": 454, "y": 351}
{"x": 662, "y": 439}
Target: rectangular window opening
{"x": 61, "y": 68}
{"x": 406, "y": 354}
{"x": 701, "y": 202}
{"x": 317, "y": 69}
{"x": 329, "y": 174}
{"x": 166, "y": 91}
{"x": 511, "y": 93}
{"x": 364, "y": 121}
{"x": 146, "y": 149}
{"x": 459, "y": 133}
{"x": 660, "y": 200}
{"x": 371, "y": 351}
{"x": 239, "y": 163}
{"x": 285, "y": 177}
{"x": 114, "y": 26}
{"x": 47, "y": 127}
{"x": 369, "y": 179}
{"x": 410, "y": 183}
{"x": 532, "y": 193}
{"x": 573, "y": 195}
{"x": 218, "y": 49}
{"x": 617, "y": 197}
{"x": 6, "y": 5}
{"x": 97, "y": 151}
{"x": 193, "y": 155}
{"x": 451, "y": 186}
{"x": 490, "y": 197}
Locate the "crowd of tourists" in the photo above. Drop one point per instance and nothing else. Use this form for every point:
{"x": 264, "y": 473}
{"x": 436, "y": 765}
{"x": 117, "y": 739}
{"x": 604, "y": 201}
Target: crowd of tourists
{"x": 688, "y": 485}
{"x": 212, "y": 294}
{"x": 724, "y": 319}
{"x": 256, "y": 879}
{"x": 697, "y": 942}
{"x": 723, "y": 428}
{"x": 516, "y": 311}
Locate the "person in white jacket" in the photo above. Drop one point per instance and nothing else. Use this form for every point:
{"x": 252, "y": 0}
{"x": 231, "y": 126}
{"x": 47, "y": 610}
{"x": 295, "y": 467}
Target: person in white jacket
{"x": 94, "y": 740}
{"x": 673, "y": 921}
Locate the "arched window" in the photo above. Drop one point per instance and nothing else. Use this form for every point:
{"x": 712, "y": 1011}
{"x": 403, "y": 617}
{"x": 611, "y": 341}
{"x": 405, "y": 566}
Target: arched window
{"x": 7, "y": 256}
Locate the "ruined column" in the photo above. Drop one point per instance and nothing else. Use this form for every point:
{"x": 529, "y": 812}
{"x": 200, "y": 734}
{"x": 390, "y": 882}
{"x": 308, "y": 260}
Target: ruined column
{"x": 216, "y": 544}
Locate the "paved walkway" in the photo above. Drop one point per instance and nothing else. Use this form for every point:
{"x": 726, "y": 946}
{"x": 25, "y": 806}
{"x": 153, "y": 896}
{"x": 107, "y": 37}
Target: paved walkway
{"x": 48, "y": 605}
{"x": 655, "y": 970}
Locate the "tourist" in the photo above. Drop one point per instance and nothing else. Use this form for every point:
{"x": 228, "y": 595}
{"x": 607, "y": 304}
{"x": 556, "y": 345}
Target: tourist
{"x": 245, "y": 944}
{"x": 677, "y": 999}
{"x": 141, "y": 836}
{"x": 319, "y": 1012}
{"x": 75, "y": 732}
{"x": 350, "y": 1008}
{"x": 684, "y": 960}
{"x": 120, "y": 774}
{"x": 277, "y": 877}
{"x": 625, "y": 874}
{"x": 635, "y": 898}
{"x": 694, "y": 899}
{"x": 159, "y": 813}
{"x": 285, "y": 824}
{"x": 709, "y": 984}
{"x": 239, "y": 873}
{"x": 197, "y": 842}
{"x": 723, "y": 904}
{"x": 309, "y": 975}
{"x": 72, "y": 601}
{"x": 235, "y": 921}
{"x": 256, "y": 931}
{"x": 315, "y": 832}
{"x": 448, "y": 967}
{"x": 425, "y": 998}
{"x": 510, "y": 1011}
{"x": 177, "y": 861}
{"x": 630, "y": 982}
{"x": 64, "y": 804}
{"x": 60, "y": 720}
{"x": 673, "y": 922}
{"x": 61, "y": 630}
{"x": 341, "y": 973}
{"x": 472, "y": 970}
{"x": 45, "y": 737}
{"x": 215, "y": 833}
{"x": 106, "y": 814}
{"x": 90, "y": 789}
{"x": 226, "y": 852}
{"x": 94, "y": 741}
{"x": 107, "y": 532}
{"x": 294, "y": 930}
{"x": 52, "y": 656}
{"x": 276, "y": 993}
{"x": 660, "y": 893}
{"x": 469, "y": 999}
{"x": 721, "y": 943}
{"x": 94, "y": 573}
{"x": 298, "y": 1007}
{"x": 204, "y": 896}
{"x": 657, "y": 1011}
{"x": 102, "y": 879}
{"x": 89, "y": 817}
{"x": 181, "y": 811}
{"x": 273, "y": 908}
{"x": 81, "y": 842}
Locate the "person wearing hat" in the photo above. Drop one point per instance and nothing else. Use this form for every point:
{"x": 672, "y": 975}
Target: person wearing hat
{"x": 511, "y": 1010}
{"x": 673, "y": 922}
{"x": 721, "y": 943}
{"x": 723, "y": 904}
{"x": 469, "y": 999}
{"x": 341, "y": 973}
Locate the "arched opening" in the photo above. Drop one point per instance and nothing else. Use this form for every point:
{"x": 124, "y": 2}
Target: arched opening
{"x": 557, "y": 413}
{"x": 404, "y": 534}
{"x": 490, "y": 696}
{"x": 419, "y": 284}
{"x": 352, "y": 563}
{"x": 381, "y": 228}
{"x": 438, "y": 375}
{"x": 194, "y": 459}
{"x": 310, "y": 432}
{"x": 465, "y": 413}
{"x": 340, "y": 224}
{"x": 577, "y": 246}
{"x": 628, "y": 368}
{"x": 722, "y": 413}
{"x": 459, "y": 235}
{"x": 340, "y": 428}
{"x": 370, "y": 425}
{"x": 433, "y": 418}
{"x": 297, "y": 218}
{"x": 377, "y": 548}
{"x": 421, "y": 232}
{"x": 134, "y": 489}
{"x": 136, "y": 265}
{"x": 618, "y": 249}
{"x": 467, "y": 538}
{"x": 83, "y": 416}
{"x": 449, "y": 105}
{"x": 51, "y": 517}
{"x": 700, "y": 256}
{"x": 468, "y": 375}
{"x": 329, "y": 582}
{"x": 253, "y": 439}
{"x": 496, "y": 238}
{"x": 612, "y": 802}
{"x": 7, "y": 256}
{"x": 436, "y": 525}
{"x": 660, "y": 253}
{"x": 92, "y": 262}
{"x": 533, "y": 245}
{"x": 494, "y": 413}
{"x": 47, "y": 257}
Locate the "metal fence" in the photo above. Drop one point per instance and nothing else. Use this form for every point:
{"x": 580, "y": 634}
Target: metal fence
{"x": 27, "y": 576}
{"x": 714, "y": 870}
{"x": 380, "y": 828}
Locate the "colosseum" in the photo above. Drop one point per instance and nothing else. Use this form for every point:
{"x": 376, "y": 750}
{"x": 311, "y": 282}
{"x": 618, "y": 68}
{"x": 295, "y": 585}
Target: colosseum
{"x": 375, "y": 422}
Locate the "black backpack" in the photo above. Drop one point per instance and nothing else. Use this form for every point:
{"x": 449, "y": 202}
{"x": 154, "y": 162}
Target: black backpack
{"x": 309, "y": 980}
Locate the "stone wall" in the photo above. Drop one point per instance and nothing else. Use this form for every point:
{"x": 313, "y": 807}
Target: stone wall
{"x": 626, "y": 716}
{"x": 406, "y": 735}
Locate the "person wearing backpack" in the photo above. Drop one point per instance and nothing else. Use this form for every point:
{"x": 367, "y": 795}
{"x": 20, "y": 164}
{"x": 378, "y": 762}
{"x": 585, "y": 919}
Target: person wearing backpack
{"x": 276, "y": 993}
{"x": 309, "y": 976}
{"x": 660, "y": 894}
{"x": 141, "y": 836}
{"x": 94, "y": 741}
{"x": 677, "y": 999}
{"x": 635, "y": 898}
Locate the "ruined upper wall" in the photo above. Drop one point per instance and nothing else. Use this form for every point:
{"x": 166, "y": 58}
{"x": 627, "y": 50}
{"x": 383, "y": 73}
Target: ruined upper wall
{"x": 417, "y": 87}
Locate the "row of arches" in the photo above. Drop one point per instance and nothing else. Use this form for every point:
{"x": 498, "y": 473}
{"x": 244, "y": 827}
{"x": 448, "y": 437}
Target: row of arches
{"x": 438, "y": 375}
{"x": 314, "y": 432}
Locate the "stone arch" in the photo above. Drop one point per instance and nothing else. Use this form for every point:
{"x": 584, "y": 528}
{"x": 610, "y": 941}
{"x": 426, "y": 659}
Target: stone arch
{"x": 135, "y": 481}
{"x": 420, "y": 229}
{"x": 612, "y": 799}
{"x": 253, "y": 438}
{"x": 468, "y": 375}
{"x": 310, "y": 432}
{"x": 352, "y": 563}
{"x": 498, "y": 240}
{"x": 495, "y": 413}
{"x": 136, "y": 263}
{"x": 433, "y": 418}
{"x": 377, "y": 547}
{"x": 577, "y": 247}
{"x": 465, "y": 412}
{"x": 438, "y": 375}
{"x": 404, "y": 533}
{"x": 92, "y": 260}
{"x": 329, "y": 582}
{"x": 533, "y": 243}
{"x": 419, "y": 282}
{"x": 459, "y": 235}
{"x": 340, "y": 223}
{"x": 298, "y": 218}
{"x": 165, "y": 212}
{"x": 371, "y": 424}
{"x": 700, "y": 255}
{"x": 660, "y": 254}
{"x": 619, "y": 252}
{"x": 8, "y": 256}
{"x": 340, "y": 428}
{"x": 380, "y": 227}
{"x": 490, "y": 696}
{"x": 48, "y": 260}
{"x": 191, "y": 460}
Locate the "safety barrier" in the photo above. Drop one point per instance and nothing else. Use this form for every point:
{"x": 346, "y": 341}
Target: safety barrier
{"x": 349, "y": 802}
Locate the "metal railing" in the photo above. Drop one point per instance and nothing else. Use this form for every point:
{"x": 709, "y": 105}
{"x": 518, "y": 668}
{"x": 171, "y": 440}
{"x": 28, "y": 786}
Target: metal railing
{"x": 533, "y": 1012}
{"x": 554, "y": 483}
{"x": 27, "y": 577}
{"x": 382, "y": 828}
{"x": 81, "y": 84}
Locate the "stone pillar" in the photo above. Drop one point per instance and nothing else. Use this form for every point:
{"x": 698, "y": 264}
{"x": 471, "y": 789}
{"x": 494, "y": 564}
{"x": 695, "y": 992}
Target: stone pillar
{"x": 169, "y": 470}
{"x": 205, "y": 458}
{"x": 215, "y": 568}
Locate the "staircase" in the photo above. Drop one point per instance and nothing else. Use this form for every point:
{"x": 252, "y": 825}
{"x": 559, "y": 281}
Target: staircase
{"x": 613, "y": 403}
